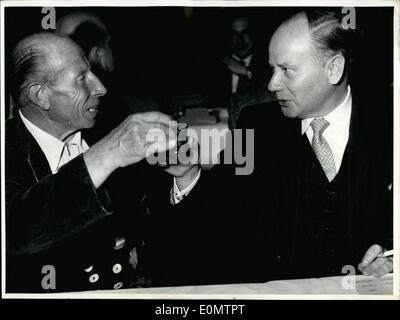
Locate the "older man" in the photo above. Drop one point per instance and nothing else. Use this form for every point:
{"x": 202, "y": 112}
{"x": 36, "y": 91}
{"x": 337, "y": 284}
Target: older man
{"x": 65, "y": 228}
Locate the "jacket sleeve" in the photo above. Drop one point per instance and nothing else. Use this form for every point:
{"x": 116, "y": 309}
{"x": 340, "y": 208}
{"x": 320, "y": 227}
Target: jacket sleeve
{"x": 41, "y": 213}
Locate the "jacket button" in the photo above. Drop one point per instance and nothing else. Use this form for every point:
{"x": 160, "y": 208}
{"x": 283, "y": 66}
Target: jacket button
{"x": 93, "y": 278}
{"x": 118, "y": 285}
{"x": 133, "y": 258}
{"x": 117, "y": 268}
{"x": 119, "y": 243}
{"x": 89, "y": 269}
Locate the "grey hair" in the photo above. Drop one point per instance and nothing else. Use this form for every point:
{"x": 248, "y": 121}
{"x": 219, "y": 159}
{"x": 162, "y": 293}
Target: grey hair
{"x": 329, "y": 37}
{"x": 29, "y": 64}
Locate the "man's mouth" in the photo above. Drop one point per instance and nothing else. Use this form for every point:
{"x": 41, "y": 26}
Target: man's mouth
{"x": 282, "y": 102}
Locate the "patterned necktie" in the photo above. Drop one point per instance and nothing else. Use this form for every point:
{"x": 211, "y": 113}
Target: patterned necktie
{"x": 70, "y": 151}
{"x": 322, "y": 149}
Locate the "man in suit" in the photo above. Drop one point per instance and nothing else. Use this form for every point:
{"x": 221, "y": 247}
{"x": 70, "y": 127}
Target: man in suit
{"x": 242, "y": 72}
{"x": 68, "y": 226}
{"x": 242, "y": 65}
{"x": 328, "y": 173}
{"x": 320, "y": 197}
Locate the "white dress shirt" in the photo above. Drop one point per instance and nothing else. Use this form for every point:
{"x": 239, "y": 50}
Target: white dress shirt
{"x": 56, "y": 151}
{"x": 235, "y": 77}
{"x": 179, "y": 195}
{"x": 337, "y": 133}
{"x": 59, "y": 153}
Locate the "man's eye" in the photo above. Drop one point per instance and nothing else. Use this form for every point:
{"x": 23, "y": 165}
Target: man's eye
{"x": 287, "y": 71}
{"x": 81, "y": 78}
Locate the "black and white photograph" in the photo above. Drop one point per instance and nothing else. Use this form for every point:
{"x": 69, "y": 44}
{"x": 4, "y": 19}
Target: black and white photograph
{"x": 200, "y": 150}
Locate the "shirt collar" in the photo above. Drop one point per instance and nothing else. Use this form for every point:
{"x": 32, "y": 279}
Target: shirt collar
{"x": 246, "y": 60}
{"x": 52, "y": 147}
{"x": 337, "y": 118}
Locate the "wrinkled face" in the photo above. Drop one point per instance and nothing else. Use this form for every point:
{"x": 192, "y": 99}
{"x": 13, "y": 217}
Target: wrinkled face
{"x": 75, "y": 92}
{"x": 299, "y": 81}
{"x": 242, "y": 42}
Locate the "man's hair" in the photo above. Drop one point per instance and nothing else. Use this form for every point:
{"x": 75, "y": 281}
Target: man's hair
{"x": 29, "y": 63}
{"x": 329, "y": 37}
{"x": 88, "y": 35}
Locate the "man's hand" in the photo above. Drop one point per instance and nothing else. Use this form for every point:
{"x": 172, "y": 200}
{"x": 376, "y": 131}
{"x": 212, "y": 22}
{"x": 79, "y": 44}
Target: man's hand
{"x": 373, "y": 265}
{"x": 135, "y": 138}
{"x": 235, "y": 67}
{"x": 188, "y": 166}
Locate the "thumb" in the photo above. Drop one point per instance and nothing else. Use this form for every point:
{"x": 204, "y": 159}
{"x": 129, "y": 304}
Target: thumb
{"x": 371, "y": 254}
{"x": 160, "y": 146}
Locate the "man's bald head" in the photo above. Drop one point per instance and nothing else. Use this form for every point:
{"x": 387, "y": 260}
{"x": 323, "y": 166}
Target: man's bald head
{"x": 37, "y": 58}
{"x": 325, "y": 31}
{"x": 309, "y": 54}
{"x": 67, "y": 25}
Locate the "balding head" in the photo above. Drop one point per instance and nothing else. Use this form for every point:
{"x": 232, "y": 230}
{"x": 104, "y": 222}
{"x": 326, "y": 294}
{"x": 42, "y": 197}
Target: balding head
{"x": 90, "y": 33}
{"x": 309, "y": 58}
{"x": 325, "y": 31}
{"x": 54, "y": 85}
{"x": 37, "y": 58}
{"x": 67, "y": 25}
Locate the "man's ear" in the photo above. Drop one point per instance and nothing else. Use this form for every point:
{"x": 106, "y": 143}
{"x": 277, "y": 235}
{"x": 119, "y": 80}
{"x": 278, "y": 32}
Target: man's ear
{"x": 38, "y": 95}
{"x": 95, "y": 55}
{"x": 336, "y": 67}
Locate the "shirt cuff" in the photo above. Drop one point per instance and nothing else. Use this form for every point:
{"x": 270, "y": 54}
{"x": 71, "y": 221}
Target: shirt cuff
{"x": 178, "y": 195}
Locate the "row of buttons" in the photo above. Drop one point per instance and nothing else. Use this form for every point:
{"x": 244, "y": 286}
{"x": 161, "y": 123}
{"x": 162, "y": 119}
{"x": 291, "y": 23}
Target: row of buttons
{"x": 117, "y": 268}
{"x": 95, "y": 277}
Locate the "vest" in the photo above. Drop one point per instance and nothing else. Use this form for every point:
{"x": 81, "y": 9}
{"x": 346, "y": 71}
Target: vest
{"x": 322, "y": 245}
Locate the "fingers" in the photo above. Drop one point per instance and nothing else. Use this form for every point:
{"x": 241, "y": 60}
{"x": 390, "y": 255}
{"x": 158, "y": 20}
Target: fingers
{"x": 155, "y": 117}
{"x": 386, "y": 268}
{"x": 160, "y": 139}
{"x": 156, "y": 129}
{"x": 160, "y": 146}
{"x": 188, "y": 154}
{"x": 153, "y": 130}
{"x": 371, "y": 255}
{"x": 373, "y": 265}
{"x": 379, "y": 267}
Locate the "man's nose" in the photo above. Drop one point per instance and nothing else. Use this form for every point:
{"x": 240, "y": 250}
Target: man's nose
{"x": 97, "y": 88}
{"x": 274, "y": 84}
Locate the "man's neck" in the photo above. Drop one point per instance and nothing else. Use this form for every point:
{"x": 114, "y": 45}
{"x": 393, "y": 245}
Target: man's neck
{"x": 334, "y": 100}
{"x": 44, "y": 123}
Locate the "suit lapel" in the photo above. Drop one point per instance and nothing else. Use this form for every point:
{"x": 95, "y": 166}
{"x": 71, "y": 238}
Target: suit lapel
{"x": 32, "y": 151}
{"x": 356, "y": 158}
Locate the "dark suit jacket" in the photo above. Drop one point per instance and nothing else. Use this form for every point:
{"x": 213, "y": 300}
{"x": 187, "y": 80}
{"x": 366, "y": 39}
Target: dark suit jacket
{"x": 62, "y": 220}
{"x": 252, "y": 225}
{"x": 368, "y": 183}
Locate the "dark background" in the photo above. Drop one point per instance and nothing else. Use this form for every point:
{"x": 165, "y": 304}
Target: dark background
{"x": 159, "y": 52}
